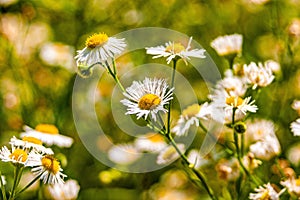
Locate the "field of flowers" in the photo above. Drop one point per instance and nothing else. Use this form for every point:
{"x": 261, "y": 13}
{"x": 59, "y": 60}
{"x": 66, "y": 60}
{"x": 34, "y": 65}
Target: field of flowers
{"x": 150, "y": 100}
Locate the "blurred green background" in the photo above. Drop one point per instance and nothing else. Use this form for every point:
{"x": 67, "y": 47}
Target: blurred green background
{"x": 38, "y": 40}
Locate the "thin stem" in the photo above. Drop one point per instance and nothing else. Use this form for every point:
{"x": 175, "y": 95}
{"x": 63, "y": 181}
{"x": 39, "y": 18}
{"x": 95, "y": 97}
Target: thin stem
{"x": 171, "y": 101}
{"x": 28, "y": 185}
{"x": 197, "y": 173}
{"x": 113, "y": 73}
{"x": 17, "y": 178}
{"x": 2, "y": 187}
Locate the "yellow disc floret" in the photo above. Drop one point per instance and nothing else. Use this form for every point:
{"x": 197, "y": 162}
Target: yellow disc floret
{"x": 155, "y": 137}
{"x": 19, "y": 155}
{"x": 191, "y": 111}
{"x": 149, "y": 101}
{"x": 234, "y": 101}
{"x": 175, "y": 48}
{"x": 97, "y": 39}
{"x": 47, "y": 128}
{"x": 32, "y": 140}
{"x": 51, "y": 164}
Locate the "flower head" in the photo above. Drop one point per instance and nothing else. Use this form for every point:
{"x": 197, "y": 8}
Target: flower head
{"x": 228, "y": 44}
{"x": 258, "y": 75}
{"x": 152, "y": 142}
{"x": 98, "y": 48}
{"x": 67, "y": 191}
{"x": 228, "y": 169}
{"x": 174, "y": 51}
{"x": 46, "y": 167}
{"x": 265, "y": 192}
{"x": 30, "y": 143}
{"x": 191, "y": 115}
{"x": 48, "y": 134}
{"x": 16, "y": 155}
{"x": 266, "y": 148}
{"x": 123, "y": 154}
{"x": 295, "y": 127}
{"x": 147, "y": 97}
{"x": 169, "y": 154}
{"x": 292, "y": 185}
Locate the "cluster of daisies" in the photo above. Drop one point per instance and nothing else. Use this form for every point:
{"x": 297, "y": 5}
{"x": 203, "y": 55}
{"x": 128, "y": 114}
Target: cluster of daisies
{"x": 33, "y": 151}
{"x": 230, "y": 102}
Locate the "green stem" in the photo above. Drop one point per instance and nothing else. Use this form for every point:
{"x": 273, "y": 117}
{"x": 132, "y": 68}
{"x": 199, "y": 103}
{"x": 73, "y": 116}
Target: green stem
{"x": 171, "y": 101}
{"x": 28, "y": 185}
{"x": 199, "y": 175}
{"x": 17, "y": 178}
{"x": 113, "y": 73}
{"x": 2, "y": 187}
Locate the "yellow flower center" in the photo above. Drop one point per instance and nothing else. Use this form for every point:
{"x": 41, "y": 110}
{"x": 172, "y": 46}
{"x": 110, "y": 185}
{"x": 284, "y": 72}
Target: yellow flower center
{"x": 32, "y": 140}
{"x": 191, "y": 111}
{"x": 234, "y": 101}
{"x": 265, "y": 195}
{"x": 51, "y": 164}
{"x": 149, "y": 101}
{"x": 155, "y": 137}
{"x": 95, "y": 40}
{"x": 175, "y": 48}
{"x": 19, "y": 155}
{"x": 297, "y": 182}
{"x": 47, "y": 128}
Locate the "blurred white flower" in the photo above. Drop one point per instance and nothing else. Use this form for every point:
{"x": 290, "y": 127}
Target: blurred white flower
{"x": 258, "y": 129}
{"x": 266, "y": 148}
{"x": 228, "y": 170}
{"x": 169, "y": 154}
{"x": 48, "y": 134}
{"x": 147, "y": 98}
{"x": 250, "y": 162}
{"x": 191, "y": 115}
{"x": 67, "y": 191}
{"x": 228, "y": 44}
{"x": 46, "y": 167}
{"x": 233, "y": 85}
{"x": 293, "y": 154}
{"x": 292, "y": 185}
{"x": 258, "y": 75}
{"x": 58, "y": 54}
{"x": 295, "y": 127}
{"x": 152, "y": 142}
{"x": 123, "y": 154}
{"x": 273, "y": 65}
{"x": 296, "y": 106}
{"x": 197, "y": 160}
{"x": 265, "y": 192}
{"x": 173, "y": 50}
{"x": 98, "y": 48}
{"x": 3, "y": 180}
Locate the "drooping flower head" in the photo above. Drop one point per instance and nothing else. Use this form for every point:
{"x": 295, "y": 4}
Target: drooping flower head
{"x": 228, "y": 44}
{"x": 191, "y": 115}
{"x": 147, "y": 98}
{"x": 46, "y": 167}
{"x": 99, "y": 48}
{"x": 48, "y": 134}
{"x": 174, "y": 51}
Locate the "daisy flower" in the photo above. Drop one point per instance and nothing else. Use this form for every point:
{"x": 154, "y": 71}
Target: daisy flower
{"x": 147, "y": 97}
{"x": 123, "y": 154}
{"x": 292, "y": 185}
{"x": 266, "y": 148}
{"x": 259, "y": 129}
{"x": 48, "y": 134}
{"x": 98, "y": 48}
{"x": 233, "y": 85}
{"x": 250, "y": 162}
{"x": 30, "y": 143}
{"x": 152, "y": 142}
{"x": 228, "y": 44}
{"x": 174, "y": 51}
{"x": 46, "y": 167}
{"x": 293, "y": 154}
{"x": 222, "y": 106}
{"x": 265, "y": 192}
{"x": 295, "y": 127}
{"x": 191, "y": 115}
{"x": 67, "y": 191}
{"x": 258, "y": 75}
{"x": 169, "y": 154}
{"x": 16, "y": 155}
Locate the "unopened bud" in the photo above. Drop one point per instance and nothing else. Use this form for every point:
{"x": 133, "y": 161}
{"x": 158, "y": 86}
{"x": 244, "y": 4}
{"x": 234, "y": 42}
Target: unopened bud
{"x": 240, "y": 127}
